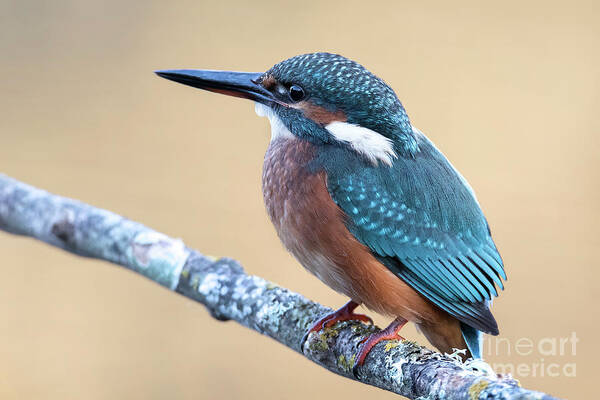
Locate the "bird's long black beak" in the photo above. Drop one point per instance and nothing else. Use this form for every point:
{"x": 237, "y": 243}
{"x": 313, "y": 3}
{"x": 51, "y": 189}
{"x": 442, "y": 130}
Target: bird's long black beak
{"x": 238, "y": 84}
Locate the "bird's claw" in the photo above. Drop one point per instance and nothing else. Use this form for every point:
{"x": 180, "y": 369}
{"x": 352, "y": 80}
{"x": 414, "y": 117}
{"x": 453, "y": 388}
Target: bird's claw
{"x": 389, "y": 333}
{"x": 345, "y": 313}
{"x": 355, "y": 371}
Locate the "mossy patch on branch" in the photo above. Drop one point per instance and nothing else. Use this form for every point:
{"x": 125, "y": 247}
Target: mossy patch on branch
{"x": 346, "y": 365}
{"x": 322, "y": 344}
{"x": 476, "y": 389}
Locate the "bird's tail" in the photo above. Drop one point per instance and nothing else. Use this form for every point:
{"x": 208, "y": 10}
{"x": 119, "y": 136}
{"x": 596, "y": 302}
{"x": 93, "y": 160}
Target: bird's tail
{"x": 473, "y": 338}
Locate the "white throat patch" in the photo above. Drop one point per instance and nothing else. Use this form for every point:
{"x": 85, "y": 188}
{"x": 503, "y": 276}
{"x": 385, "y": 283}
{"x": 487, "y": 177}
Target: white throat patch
{"x": 278, "y": 129}
{"x": 374, "y": 146}
{"x": 367, "y": 142}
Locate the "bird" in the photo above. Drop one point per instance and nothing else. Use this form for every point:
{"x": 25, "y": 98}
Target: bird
{"x": 367, "y": 203}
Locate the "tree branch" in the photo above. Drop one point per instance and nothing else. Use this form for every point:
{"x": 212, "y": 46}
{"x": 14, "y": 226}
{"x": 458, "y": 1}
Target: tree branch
{"x": 229, "y": 293}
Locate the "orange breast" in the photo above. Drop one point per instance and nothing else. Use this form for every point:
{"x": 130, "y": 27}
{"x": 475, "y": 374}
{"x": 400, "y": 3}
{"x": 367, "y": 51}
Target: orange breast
{"x": 311, "y": 226}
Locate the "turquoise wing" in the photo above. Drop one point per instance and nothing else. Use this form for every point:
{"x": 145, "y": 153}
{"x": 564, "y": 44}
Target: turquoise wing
{"x": 422, "y": 221}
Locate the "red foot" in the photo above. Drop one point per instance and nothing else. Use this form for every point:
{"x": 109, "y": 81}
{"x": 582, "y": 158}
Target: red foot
{"x": 389, "y": 333}
{"x": 343, "y": 314}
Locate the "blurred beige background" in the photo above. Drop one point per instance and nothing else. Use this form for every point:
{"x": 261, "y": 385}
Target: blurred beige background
{"x": 509, "y": 91}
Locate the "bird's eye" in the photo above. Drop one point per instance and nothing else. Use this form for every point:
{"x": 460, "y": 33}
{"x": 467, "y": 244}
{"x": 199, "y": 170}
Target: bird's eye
{"x": 296, "y": 93}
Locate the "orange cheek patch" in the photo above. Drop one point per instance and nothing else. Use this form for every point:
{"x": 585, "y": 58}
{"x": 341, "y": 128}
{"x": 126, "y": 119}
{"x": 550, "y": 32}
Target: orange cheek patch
{"x": 320, "y": 114}
{"x": 268, "y": 82}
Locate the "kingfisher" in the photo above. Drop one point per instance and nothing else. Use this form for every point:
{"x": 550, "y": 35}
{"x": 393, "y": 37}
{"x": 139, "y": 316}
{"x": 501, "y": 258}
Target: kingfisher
{"x": 367, "y": 203}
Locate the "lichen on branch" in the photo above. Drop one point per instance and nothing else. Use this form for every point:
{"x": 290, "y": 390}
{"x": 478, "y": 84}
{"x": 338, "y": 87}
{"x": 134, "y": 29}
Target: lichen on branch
{"x": 229, "y": 293}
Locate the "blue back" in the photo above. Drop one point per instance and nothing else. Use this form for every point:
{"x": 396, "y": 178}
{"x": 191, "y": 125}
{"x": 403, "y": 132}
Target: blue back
{"x": 420, "y": 218}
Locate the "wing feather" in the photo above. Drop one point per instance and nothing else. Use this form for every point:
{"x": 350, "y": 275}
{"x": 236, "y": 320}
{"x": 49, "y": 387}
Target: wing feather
{"x": 421, "y": 219}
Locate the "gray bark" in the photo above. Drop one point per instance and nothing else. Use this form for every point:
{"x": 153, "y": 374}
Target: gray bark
{"x": 229, "y": 293}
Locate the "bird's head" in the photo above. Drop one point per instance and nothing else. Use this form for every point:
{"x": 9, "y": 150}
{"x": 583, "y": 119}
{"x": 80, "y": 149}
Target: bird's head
{"x": 324, "y": 98}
